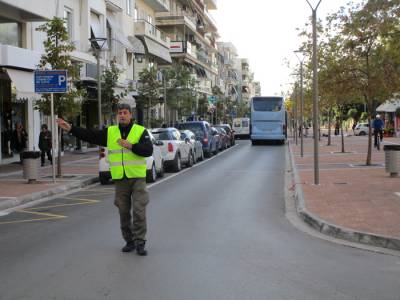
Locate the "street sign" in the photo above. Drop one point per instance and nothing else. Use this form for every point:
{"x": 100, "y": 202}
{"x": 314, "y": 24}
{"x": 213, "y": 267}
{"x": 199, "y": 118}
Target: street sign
{"x": 51, "y": 81}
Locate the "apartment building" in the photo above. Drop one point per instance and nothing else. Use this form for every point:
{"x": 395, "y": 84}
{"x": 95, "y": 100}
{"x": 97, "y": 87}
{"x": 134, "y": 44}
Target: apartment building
{"x": 193, "y": 33}
{"x": 21, "y": 47}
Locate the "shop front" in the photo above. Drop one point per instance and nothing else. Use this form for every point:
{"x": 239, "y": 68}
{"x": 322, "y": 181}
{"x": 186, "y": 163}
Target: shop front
{"x": 390, "y": 109}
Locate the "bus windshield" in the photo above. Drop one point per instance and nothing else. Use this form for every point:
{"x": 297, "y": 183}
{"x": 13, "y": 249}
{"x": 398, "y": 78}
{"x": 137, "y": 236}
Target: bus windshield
{"x": 269, "y": 104}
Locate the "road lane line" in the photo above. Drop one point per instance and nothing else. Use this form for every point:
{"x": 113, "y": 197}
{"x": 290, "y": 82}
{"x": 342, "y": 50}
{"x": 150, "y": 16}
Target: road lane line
{"x": 41, "y": 214}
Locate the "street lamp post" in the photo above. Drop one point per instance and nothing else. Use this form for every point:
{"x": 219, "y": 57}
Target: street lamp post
{"x": 97, "y": 44}
{"x": 315, "y": 91}
{"x": 300, "y": 57}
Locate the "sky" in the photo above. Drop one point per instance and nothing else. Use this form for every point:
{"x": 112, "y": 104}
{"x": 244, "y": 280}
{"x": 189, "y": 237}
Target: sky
{"x": 264, "y": 31}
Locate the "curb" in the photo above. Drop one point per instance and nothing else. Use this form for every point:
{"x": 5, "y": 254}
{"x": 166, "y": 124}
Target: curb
{"x": 10, "y": 203}
{"x": 333, "y": 230}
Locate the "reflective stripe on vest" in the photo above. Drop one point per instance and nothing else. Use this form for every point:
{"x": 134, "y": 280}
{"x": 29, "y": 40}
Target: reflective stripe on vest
{"x": 122, "y": 160}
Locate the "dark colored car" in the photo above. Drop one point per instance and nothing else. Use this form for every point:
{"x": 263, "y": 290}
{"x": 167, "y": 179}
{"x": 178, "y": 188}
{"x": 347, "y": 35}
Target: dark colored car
{"x": 230, "y": 132}
{"x": 204, "y": 134}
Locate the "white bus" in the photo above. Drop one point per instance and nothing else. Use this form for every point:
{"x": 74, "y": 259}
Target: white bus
{"x": 268, "y": 119}
{"x": 241, "y": 127}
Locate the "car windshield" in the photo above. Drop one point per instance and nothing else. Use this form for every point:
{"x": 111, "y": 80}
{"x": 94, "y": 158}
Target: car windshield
{"x": 162, "y": 135}
{"x": 197, "y": 129}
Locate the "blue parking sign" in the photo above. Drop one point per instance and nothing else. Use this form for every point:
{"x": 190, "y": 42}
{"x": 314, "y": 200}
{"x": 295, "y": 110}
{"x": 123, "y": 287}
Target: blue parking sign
{"x": 51, "y": 81}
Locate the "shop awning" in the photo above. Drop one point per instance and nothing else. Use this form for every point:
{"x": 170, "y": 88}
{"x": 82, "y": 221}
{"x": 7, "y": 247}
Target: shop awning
{"x": 23, "y": 82}
{"x": 389, "y": 106}
{"x": 119, "y": 35}
{"x": 157, "y": 50}
{"x": 138, "y": 47}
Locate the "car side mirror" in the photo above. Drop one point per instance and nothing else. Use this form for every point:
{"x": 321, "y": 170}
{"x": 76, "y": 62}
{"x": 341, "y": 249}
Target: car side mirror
{"x": 187, "y": 140}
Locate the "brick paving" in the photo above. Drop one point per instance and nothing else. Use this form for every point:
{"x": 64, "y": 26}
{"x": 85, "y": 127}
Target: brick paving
{"x": 351, "y": 194}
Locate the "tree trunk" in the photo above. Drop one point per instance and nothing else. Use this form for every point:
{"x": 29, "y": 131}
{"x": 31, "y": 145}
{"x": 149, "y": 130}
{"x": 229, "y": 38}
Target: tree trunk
{"x": 342, "y": 135}
{"x": 329, "y": 127}
{"x": 369, "y": 154}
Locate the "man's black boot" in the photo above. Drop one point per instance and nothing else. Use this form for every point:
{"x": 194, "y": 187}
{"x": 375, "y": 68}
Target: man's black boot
{"x": 140, "y": 248}
{"x": 129, "y": 247}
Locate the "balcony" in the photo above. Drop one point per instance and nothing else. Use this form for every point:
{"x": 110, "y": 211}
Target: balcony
{"x": 211, "y": 4}
{"x": 144, "y": 28}
{"x": 11, "y": 56}
{"x": 174, "y": 18}
{"x": 158, "y": 5}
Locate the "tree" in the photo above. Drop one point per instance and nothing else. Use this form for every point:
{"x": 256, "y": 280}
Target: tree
{"x": 370, "y": 34}
{"x": 108, "y": 96}
{"x": 181, "y": 92}
{"x": 148, "y": 91}
{"x": 57, "y": 48}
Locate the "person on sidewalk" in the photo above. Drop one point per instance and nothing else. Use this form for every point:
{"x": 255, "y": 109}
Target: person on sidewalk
{"x": 378, "y": 125}
{"x": 128, "y": 145}
{"x": 45, "y": 144}
{"x": 19, "y": 139}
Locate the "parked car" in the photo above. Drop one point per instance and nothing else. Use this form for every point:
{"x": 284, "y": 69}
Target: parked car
{"x": 175, "y": 151}
{"x": 230, "y": 132}
{"x": 203, "y": 132}
{"x": 218, "y": 140}
{"x": 197, "y": 147}
{"x": 154, "y": 163}
{"x": 224, "y": 138}
{"x": 361, "y": 129}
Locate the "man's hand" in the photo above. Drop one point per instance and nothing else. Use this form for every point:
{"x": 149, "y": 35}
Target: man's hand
{"x": 64, "y": 125}
{"x": 125, "y": 144}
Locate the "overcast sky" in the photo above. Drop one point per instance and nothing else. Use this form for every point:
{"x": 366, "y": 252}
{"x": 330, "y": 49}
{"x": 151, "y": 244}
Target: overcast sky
{"x": 264, "y": 31}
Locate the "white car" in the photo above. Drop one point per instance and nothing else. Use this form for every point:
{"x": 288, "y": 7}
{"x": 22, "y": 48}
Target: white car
{"x": 197, "y": 146}
{"x": 361, "y": 129}
{"x": 175, "y": 151}
{"x": 155, "y": 163}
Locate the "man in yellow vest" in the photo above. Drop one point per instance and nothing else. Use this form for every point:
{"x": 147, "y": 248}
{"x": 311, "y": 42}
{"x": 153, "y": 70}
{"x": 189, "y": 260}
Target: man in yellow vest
{"x": 128, "y": 146}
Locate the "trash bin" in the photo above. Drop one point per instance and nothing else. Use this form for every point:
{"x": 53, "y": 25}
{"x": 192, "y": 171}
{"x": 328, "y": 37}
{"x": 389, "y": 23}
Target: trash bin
{"x": 30, "y": 162}
{"x": 392, "y": 159}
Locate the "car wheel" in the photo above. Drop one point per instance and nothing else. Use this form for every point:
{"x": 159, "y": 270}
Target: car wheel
{"x": 177, "y": 164}
{"x": 253, "y": 142}
{"x": 190, "y": 159}
{"x": 151, "y": 174}
{"x": 363, "y": 133}
{"x": 162, "y": 170}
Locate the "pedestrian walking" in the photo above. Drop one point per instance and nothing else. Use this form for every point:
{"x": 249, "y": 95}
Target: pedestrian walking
{"x": 337, "y": 127}
{"x": 45, "y": 145}
{"x": 128, "y": 145}
{"x": 19, "y": 139}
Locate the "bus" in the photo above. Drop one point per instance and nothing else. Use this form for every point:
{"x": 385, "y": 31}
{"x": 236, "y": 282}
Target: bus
{"x": 268, "y": 120}
{"x": 241, "y": 127}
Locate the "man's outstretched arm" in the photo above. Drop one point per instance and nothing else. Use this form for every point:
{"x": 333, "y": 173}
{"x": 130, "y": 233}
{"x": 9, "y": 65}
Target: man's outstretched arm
{"x": 93, "y": 136}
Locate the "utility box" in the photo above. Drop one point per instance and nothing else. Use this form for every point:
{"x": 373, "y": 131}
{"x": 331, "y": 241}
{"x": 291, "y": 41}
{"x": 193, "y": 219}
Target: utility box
{"x": 30, "y": 163}
{"x": 392, "y": 159}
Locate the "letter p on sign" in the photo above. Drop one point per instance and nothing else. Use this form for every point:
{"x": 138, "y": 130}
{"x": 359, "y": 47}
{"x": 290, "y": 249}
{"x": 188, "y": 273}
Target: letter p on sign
{"x": 61, "y": 79}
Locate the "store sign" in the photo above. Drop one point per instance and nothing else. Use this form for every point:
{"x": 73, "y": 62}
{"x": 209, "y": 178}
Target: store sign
{"x": 176, "y": 47}
{"x": 54, "y": 81}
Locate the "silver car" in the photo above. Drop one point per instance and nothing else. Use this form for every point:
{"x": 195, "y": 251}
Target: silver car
{"x": 197, "y": 146}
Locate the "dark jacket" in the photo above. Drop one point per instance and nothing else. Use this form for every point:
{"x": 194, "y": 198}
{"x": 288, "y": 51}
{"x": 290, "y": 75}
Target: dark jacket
{"x": 99, "y": 137}
{"x": 378, "y": 124}
{"x": 18, "y": 142}
{"x": 45, "y": 140}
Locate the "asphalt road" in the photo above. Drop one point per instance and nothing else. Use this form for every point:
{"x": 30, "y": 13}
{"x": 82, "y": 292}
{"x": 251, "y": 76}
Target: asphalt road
{"x": 216, "y": 231}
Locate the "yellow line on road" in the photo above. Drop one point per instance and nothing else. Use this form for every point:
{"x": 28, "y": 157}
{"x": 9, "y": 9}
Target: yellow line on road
{"x": 42, "y": 214}
{"x": 30, "y": 220}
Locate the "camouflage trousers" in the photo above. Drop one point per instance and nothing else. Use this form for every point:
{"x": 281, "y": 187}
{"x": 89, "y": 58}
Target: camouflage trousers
{"x": 131, "y": 198}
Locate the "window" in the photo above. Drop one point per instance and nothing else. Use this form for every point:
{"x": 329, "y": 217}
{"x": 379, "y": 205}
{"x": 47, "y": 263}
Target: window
{"x": 270, "y": 104}
{"x": 10, "y": 34}
{"x": 135, "y": 16}
{"x": 68, "y": 22}
{"x": 129, "y": 7}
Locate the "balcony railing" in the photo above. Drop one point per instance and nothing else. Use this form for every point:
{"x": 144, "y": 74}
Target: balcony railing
{"x": 159, "y": 5}
{"x": 178, "y": 15}
{"x": 142, "y": 27}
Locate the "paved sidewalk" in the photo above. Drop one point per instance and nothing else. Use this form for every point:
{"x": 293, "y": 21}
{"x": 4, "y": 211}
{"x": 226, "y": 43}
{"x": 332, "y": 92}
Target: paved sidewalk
{"x": 353, "y": 201}
{"x": 78, "y": 169}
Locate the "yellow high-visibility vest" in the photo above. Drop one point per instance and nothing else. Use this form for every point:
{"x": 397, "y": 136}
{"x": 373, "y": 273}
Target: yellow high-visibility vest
{"x": 122, "y": 160}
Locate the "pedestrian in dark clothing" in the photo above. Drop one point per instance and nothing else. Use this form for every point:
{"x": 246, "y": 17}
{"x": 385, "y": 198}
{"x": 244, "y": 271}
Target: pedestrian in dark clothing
{"x": 128, "y": 145}
{"x": 337, "y": 128}
{"x": 378, "y": 125}
{"x": 45, "y": 144}
{"x": 19, "y": 138}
